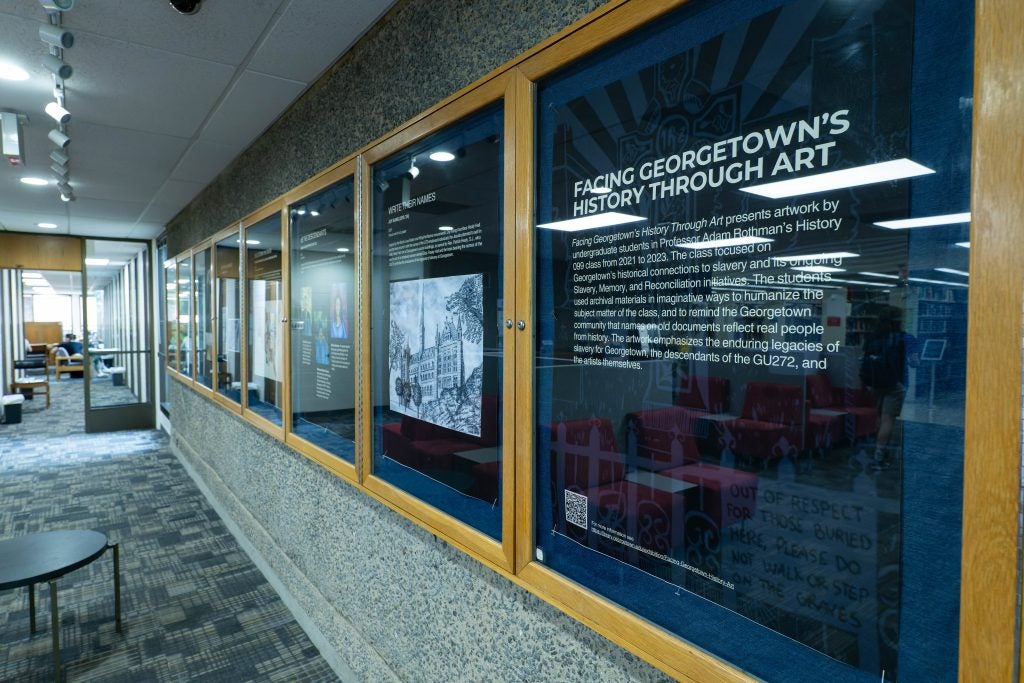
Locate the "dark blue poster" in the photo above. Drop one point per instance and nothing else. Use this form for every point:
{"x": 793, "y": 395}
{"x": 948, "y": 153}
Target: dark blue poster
{"x": 732, "y": 317}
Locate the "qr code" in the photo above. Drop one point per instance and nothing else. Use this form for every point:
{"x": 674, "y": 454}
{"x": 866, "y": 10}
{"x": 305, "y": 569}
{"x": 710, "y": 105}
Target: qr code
{"x": 576, "y": 509}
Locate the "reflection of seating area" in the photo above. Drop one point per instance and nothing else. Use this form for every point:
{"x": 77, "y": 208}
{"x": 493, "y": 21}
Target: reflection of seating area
{"x": 656, "y": 507}
{"x": 449, "y": 455}
{"x": 858, "y": 403}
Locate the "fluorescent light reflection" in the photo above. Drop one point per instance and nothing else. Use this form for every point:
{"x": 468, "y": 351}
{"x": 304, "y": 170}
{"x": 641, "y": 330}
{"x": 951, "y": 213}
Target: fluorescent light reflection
{"x": 937, "y": 282}
{"x": 445, "y": 228}
{"x": 927, "y": 221}
{"x": 954, "y": 271}
{"x": 863, "y": 282}
{"x": 717, "y": 244}
{"x": 885, "y": 275}
{"x": 98, "y": 262}
{"x": 885, "y": 171}
{"x": 815, "y": 257}
{"x": 597, "y": 220}
{"x": 39, "y": 182}
{"x": 965, "y": 245}
{"x": 442, "y": 156}
{"x": 343, "y": 249}
{"x": 819, "y": 269}
{"x": 600, "y": 190}
{"x": 48, "y": 226}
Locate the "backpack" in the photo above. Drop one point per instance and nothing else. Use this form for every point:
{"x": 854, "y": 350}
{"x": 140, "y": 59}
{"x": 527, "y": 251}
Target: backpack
{"x": 882, "y": 365}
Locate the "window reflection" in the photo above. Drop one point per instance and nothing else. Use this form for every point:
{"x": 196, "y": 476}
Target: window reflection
{"x": 264, "y": 312}
{"x": 323, "y": 321}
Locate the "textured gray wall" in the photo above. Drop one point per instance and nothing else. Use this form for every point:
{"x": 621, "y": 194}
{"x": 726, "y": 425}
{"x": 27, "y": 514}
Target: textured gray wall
{"x": 419, "y": 54}
{"x": 393, "y": 601}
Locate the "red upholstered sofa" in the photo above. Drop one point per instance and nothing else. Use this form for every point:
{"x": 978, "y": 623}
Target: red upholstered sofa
{"x": 662, "y": 437}
{"x": 858, "y": 403}
{"x": 776, "y": 422}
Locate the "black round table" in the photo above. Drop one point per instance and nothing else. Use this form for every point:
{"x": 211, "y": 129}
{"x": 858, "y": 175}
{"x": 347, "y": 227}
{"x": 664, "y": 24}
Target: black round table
{"x": 32, "y": 559}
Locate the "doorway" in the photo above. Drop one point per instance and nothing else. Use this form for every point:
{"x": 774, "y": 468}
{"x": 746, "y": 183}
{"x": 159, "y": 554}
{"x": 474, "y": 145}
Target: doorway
{"x": 117, "y": 332}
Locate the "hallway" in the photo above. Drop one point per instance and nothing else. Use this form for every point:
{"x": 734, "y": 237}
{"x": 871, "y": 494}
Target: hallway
{"x": 194, "y": 605}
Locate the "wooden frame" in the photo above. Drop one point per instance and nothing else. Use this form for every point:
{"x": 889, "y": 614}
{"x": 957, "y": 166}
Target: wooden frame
{"x": 277, "y": 206}
{"x": 499, "y": 554}
{"x": 989, "y": 639}
{"x": 236, "y": 230}
{"x": 991, "y": 590}
{"x": 333, "y": 175}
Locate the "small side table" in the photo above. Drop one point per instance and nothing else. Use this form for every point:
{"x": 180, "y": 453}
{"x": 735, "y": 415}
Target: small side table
{"x": 32, "y": 559}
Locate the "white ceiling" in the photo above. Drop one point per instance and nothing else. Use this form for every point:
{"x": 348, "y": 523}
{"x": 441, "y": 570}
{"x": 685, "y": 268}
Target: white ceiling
{"x": 160, "y": 102}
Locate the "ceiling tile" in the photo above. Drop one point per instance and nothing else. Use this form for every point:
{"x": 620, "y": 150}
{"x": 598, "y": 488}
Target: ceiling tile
{"x": 166, "y": 203}
{"x": 218, "y": 32}
{"x": 323, "y": 31}
{"x": 124, "y": 85}
{"x": 254, "y": 102}
{"x": 203, "y": 160}
{"x": 111, "y": 211}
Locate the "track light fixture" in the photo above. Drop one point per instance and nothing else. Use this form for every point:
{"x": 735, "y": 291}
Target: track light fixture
{"x": 59, "y": 172}
{"x": 58, "y": 138}
{"x": 57, "y": 112}
{"x": 59, "y": 157}
{"x": 56, "y": 36}
{"x": 57, "y": 66}
{"x": 413, "y": 169}
{"x": 68, "y": 197}
{"x": 64, "y": 187}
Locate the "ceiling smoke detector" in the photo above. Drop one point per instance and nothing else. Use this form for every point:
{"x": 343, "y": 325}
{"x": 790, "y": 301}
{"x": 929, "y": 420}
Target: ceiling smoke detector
{"x": 186, "y": 6}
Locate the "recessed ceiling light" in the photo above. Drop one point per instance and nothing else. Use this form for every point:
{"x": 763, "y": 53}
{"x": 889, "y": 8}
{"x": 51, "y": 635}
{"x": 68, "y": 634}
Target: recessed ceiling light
{"x": 47, "y": 225}
{"x": 97, "y": 261}
{"x": 35, "y": 181}
{"x": 10, "y": 72}
{"x": 601, "y": 189}
{"x": 314, "y": 213}
{"x": 343, "y": 249}
{"x": 252, "y": 241}
{"x": 442, "y": 156}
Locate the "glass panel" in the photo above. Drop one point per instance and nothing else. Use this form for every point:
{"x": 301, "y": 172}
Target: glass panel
{"x": 323, "y": 291}
{"x": 264, "y": 311}
{"x": 185, "y": 293}
{"x": 229, "y": 320}
{"x": 436, "y": 319}
{"x": 204, "y": 335}
{"x": 117, "y": 345}
{"x": 171, "y": 299}
{"x": 749, "y": 380}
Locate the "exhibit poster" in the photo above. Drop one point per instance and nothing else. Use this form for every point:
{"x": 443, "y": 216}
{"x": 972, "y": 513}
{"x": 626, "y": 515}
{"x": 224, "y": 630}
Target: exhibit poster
{"x": 729, "y": 332}
{"x": 436, "y": 350}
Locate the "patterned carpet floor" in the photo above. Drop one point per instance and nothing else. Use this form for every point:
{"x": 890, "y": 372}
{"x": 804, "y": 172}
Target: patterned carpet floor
{"x": 194, "y": 605}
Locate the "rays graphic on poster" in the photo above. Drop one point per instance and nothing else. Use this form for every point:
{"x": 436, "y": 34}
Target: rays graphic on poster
{"x": 436, "y": 350}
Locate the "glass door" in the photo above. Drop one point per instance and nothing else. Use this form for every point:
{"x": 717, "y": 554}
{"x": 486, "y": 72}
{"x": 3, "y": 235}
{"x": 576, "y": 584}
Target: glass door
{"x": 118, "y": 363}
